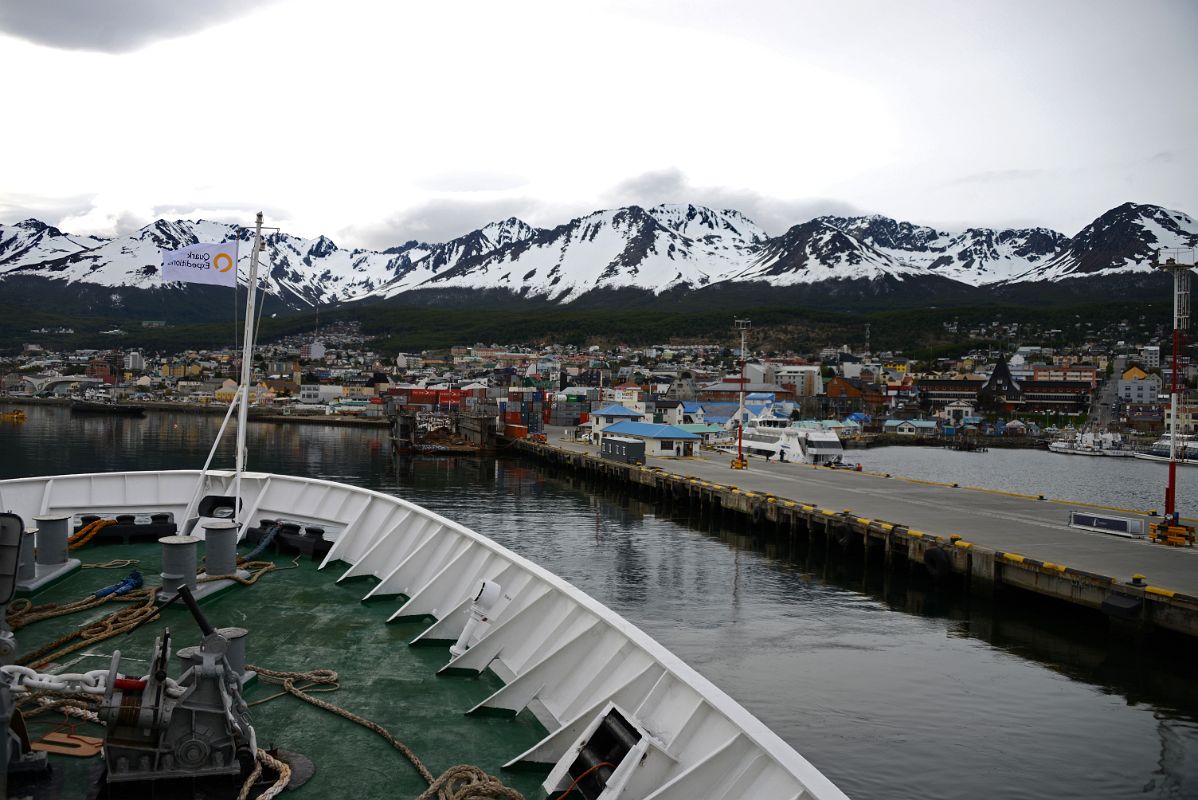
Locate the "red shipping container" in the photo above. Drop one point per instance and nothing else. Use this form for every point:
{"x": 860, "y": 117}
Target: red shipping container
{"x": 584, "y": 418}
{"x": 515, "y": 431}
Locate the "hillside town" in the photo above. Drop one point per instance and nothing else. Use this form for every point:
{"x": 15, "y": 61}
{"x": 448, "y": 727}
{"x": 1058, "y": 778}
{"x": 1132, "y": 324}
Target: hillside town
{"x": 1025, "y": 391}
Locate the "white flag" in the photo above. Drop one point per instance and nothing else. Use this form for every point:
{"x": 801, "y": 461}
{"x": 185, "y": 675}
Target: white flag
{"x": 202, "y": 263}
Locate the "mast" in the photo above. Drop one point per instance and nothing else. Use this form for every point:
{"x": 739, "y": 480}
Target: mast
{"x": 247, "y": 351}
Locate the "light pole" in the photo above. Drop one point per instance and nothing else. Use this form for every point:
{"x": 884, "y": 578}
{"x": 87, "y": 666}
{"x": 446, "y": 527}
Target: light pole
{"x": 1170, "y": 530}
{"x": 743, "y": 326}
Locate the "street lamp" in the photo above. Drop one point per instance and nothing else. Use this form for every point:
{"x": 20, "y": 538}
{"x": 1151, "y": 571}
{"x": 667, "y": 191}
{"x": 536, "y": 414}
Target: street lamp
{"x": 743, "y": 326}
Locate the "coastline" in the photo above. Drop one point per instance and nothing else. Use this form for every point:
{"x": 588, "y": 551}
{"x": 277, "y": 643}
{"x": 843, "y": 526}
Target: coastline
{"x": 255, "y": 415}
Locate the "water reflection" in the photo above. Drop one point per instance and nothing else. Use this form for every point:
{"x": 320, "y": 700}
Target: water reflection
{"x": 879, "y": 669}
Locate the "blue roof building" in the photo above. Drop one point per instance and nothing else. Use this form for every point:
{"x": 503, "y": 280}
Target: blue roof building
{"x": 660, "y": 440}
{"x": 617, "y": 410}
{"x": 610, "y": 415}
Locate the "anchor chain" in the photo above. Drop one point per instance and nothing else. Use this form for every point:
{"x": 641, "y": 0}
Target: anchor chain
{"x": 25, "y": 679}
{"x": 93, "y": 682}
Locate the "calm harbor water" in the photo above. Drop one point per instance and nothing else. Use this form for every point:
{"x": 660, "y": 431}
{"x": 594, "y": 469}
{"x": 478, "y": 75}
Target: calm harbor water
{"x": 1123, "y": 482}
{"x": 890, "y": 688}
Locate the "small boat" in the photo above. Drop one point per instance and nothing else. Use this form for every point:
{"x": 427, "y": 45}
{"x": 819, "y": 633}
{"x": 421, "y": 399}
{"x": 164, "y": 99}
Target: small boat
{"x": 1187, "y": 450}
{"x": 106, "y": 407}
{"x": 1090, "y": 444}
{"x": 16, "y": 415}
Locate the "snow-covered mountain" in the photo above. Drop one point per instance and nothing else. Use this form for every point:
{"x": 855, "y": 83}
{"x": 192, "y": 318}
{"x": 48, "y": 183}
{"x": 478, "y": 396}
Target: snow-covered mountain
{"x": 1123, "y": 240}
{"x": 659, "y": 249}
{"x": 34, "y": 242}
{"x": 301, "y": 270}
{"x": 977, "y": 256}
{"x": 817, "y": 251}
{"x": 656, "y": 249}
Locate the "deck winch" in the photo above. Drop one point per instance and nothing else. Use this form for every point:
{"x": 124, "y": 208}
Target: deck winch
{"x": 159, "y": 729}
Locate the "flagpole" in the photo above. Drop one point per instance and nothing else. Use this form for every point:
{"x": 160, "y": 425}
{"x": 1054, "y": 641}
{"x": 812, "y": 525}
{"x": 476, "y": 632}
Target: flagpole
{"x": 247, "y": 350}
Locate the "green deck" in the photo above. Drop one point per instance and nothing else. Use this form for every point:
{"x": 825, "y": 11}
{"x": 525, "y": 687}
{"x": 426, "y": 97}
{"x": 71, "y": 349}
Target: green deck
{"x": 300, "y": 620}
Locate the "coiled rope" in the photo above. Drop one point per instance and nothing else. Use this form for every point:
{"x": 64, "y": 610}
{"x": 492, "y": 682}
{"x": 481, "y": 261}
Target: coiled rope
{"x": 22, "y": 611}
{"x": 87, "y": 533}
{"x": 460, "y": 782}
{"x": 106, "y": 627}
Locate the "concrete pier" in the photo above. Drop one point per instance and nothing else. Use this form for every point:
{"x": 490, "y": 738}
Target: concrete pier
{"x": 986, "y": 539}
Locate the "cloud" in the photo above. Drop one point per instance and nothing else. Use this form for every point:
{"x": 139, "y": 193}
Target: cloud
{"x": 443, "y": 218}
{"x": 472, "y": 181}
{"x": 16, "y": 206}
{"x": 105, "y": 220}
{"x": 998, "y": 176}
{"x": 231, "y": 213}
{"x": 115, "y": 26}
{"x": 439, "y": 220}
{"x": 108, "y": 215}
{"x": 773, "y": 214}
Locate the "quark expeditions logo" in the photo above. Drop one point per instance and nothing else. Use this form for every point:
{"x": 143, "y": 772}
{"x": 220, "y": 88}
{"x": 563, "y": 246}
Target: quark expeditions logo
{"x": 214, "y": 264}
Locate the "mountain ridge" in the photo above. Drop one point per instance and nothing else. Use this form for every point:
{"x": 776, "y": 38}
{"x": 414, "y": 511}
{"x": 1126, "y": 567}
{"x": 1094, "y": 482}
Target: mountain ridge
{"x": 668, "y": 249}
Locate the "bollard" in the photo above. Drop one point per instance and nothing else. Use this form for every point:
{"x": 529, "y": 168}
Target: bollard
{"x": 27, "y": 567}
{"x": 220, "y": 547}
{"x": 51, "y": 539}
{"x": 178, "y": 563}
{"x": 236, "y": 653}
{"x": 190, "y": 656}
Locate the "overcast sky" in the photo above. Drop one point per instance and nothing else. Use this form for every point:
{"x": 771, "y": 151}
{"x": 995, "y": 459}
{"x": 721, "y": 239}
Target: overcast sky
{"x": 379, "y": 122}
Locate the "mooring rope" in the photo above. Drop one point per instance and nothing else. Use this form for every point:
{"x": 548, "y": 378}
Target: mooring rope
{"x": 116, "y": 563}
{"x": 106, "y": 627}
{"x": 460, "y": 782}
{"x": 279, "y": 766}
